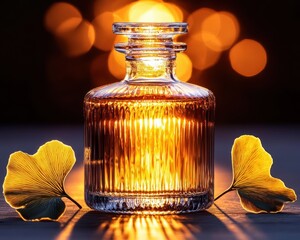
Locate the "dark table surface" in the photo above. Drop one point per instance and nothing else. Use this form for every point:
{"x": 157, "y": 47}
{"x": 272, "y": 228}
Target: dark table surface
{"x": 224, "y": 220}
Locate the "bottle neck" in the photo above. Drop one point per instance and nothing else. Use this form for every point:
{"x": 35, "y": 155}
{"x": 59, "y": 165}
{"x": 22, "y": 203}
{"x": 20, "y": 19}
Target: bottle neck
{"x": 150, "y": 69}
{"x": 150, "y": 50}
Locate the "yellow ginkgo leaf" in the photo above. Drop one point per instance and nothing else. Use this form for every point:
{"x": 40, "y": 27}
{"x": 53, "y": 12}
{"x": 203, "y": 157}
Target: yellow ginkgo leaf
{"x": 257, "y": 189}
{"x": 34, "y": 184}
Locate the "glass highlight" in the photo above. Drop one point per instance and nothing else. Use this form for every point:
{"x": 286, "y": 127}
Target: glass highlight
{"x": 149, "y": 139}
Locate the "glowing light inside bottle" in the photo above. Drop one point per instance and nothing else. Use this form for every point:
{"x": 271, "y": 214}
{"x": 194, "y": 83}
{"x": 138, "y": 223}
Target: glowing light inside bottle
{"x": 149, "y": 138}
{"x": 157, "y": 150}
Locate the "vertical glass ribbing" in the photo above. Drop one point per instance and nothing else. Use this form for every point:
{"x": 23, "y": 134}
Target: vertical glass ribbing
{"x": 147, "y": 150}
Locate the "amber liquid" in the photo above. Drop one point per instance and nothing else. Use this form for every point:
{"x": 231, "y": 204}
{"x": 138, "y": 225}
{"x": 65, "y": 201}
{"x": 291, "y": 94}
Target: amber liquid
{"x": 147, "y": 156}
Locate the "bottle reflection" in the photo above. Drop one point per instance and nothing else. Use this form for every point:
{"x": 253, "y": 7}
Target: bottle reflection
{"x": 87, "y": 224}
{"x": 145, "y": 227}
{"x": 95, "y": 225}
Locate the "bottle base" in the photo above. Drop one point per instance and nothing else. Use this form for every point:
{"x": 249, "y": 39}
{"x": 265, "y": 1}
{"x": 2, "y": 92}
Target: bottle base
{"x": 148, "y": 204}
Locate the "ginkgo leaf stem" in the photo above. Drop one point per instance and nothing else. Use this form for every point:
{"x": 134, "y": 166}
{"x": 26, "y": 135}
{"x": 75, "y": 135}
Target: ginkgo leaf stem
{"x": 223, "y": 193}
{"x": 70, "y": 198}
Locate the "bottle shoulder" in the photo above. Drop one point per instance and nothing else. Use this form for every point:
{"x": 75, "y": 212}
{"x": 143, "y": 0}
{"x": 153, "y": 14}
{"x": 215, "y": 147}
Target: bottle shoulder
{"x": 149, "y": 91}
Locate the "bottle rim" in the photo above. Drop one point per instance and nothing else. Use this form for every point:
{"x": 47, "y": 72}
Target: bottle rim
{"x": 150, "y": 29}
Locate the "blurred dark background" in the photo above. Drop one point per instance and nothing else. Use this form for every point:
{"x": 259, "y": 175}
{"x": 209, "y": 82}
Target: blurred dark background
{"x": 40, "y": 85}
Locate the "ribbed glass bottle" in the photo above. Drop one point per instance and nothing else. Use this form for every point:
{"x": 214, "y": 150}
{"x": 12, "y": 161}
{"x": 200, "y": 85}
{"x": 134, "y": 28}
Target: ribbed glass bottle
{"x": 149, "y": 139}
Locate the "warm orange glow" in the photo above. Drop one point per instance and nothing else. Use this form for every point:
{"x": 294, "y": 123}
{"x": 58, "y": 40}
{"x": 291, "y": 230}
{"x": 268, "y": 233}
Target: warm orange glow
{"x": 151, "y": 173}
{"x": 184, "y": 67}
{"x": 103, "y": 29}
{"x": 196, "y": 19}
{"x": 175, "y": 11}
{"x": 150, "y": 11}
{"x": 202, "y": 57}
{"x": 223, "y": 179}
{"x": 67, "y": 26}
{"x": 210, "y": 32}
{"x": 116, "y": 64}
{"x": 75, "y": 35}
{"x": 79, "y": 40}
{"x": 74, "y": 184}
{"x": 100, "y": 6}
{"x": 116, "y": 61}
{"x": 106, "y": 226}
{"x": 248, "y": 57}
{"x": 220, "y": 30}
{"x": 147, "y": 227}
{"x": 62, "y": 17}
{"x": 123, "y": 12}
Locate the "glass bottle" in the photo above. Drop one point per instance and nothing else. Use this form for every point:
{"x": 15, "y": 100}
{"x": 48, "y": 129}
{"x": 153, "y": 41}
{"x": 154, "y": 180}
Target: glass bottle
{"x": 149, "y": 139}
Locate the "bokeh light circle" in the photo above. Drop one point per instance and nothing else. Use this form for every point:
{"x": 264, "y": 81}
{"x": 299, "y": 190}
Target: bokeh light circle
{"x": 220, "y": 30}
{"x": 202, "y": 57}
{"x": 62, "y": 16}
{"x": 79, "y": 40}
{"x": 196, "y": 18}
{"x": 104, "y": 37}
{"x": 116, "y": 64}
{"x": 184, "y": 67}
{"x": 248, "y": 57}
{"x": 150, "y": 11}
